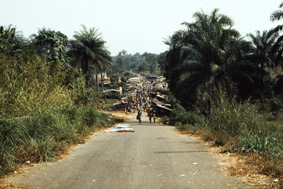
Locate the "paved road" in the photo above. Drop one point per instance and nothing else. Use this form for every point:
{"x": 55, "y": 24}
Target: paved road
{"x": 154, "y": 156}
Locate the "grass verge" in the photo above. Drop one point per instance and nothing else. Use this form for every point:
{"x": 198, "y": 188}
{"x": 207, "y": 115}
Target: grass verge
{"x": 41, "y": 137}
{"x": 239, "y": 128}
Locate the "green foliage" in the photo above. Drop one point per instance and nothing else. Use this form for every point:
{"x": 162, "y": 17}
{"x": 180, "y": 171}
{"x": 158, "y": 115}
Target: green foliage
{"x": 212, "y": 70}
{"x": 238, "y": 126}
{"x": 89, "y": 52}
{"x": 26, "y": 85}
{"x": 128, "y": 75}
{"x": 232, "y": 117}
{"x": 209, "y": 56}
{"x": 12, "y": 134}
{"x": 243, "y": 122}
{"x": 205, "y": 58}
{"x": 173, "y": 101}
{"x": 11, "y": 41}
{"x": 263, "y": 145}
{"x": 276, "y": 104}
{"x": 147, "y": 62}
{"x": 44, "y": 103}
{"x": 51, "y": 44}
{"x": 179, "y": 115}
{"x": 114, "y": 81}
{"x": 165, "y": 120}
{"x": 278, "y": 89}
{"x": 266, "y": 140}
{"x": 39, "y": 136}
{"x": 182, "y": 127}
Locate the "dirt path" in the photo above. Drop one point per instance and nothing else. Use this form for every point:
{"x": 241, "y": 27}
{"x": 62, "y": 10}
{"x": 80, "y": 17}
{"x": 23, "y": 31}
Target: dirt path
{"x": 154, "y": 156}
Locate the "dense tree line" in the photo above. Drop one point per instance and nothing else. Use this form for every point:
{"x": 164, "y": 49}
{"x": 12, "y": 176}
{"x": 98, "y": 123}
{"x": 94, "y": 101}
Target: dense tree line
{"x": 86, "y": 51}
{"x": 47, "y": 61}
{"x": 146, "y": 62}
{"x": 209, "y": 58}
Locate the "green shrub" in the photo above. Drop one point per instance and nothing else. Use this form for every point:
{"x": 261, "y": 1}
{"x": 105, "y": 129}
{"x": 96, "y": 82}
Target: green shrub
{"x": 244, "y": 123}
{"x": 179, "y": 114}
{"x": 262, "y": 145}
{"x": 276, "y": 104}
{"x": 232, "y": 117}
{"x": 44, "y": 106}
{"x": 39, "y": 125}
{"x": 39, "y": 136}
{"x": 90, "y": 117}
{"x": 182, "y": 127}
{"x": 165, "y": 119}
{"x": 37, "y": 150}
{"x": 12, "y": 134}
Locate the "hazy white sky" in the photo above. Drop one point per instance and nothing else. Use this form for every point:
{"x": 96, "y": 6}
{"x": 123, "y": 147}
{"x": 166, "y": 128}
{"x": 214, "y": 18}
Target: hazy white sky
{"x": 133, "y": 25}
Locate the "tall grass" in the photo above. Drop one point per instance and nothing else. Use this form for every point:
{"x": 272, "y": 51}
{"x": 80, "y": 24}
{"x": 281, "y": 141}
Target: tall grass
{"x": 12, "y": 134}
{"x": 239, "y": 127}
{"x": 232, "y": 117}
{"x": 243, "y": 122}
{"x": 44, "y": 107}
{"x": 39, "y": 137}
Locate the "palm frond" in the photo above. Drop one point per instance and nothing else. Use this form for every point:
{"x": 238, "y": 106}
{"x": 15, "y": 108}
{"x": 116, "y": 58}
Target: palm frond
{"x": 276, "y": 15}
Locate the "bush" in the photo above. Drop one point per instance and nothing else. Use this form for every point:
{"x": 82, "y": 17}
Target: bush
{"x": 262, "y": 145}
{"x": 44, "y": 106}
{"x": 179, "y": 114}
{"x": 276, "y": 104}
{"x": 182, "y": 127}
{"x": 232, "y": 117}
{"x": 37, "y": 150}
{"x": 39, "y": 136}
{"x": 247, "y": 126}
{"x": 165, "y": 120}
{"x": 12, "y": 134}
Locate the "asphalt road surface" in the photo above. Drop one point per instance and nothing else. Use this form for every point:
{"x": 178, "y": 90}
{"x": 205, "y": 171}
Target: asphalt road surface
{"x": 154, "y": 156}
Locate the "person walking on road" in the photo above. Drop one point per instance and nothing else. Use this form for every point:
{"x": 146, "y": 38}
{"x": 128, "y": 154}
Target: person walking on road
{"x": 150, "y": 116}
{"x": 139, "y": 116}
{"x": 154, "y": 116}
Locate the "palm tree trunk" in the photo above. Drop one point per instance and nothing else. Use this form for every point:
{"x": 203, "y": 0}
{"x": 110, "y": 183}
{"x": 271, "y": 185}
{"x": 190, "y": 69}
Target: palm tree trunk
{"x": 102, "y": 84}
{"x": 262, "y": 83}
{"x": 86, "y": 73}
{"x": 97, "y": 83}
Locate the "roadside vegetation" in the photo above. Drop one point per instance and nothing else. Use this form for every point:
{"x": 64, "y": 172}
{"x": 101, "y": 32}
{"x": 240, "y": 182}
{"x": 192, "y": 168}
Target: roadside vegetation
{"x": 225, "y": 87}
{"x": 47, "y": 100}
{"x": 146, "y": 62}
{"x": 228, "y": 88}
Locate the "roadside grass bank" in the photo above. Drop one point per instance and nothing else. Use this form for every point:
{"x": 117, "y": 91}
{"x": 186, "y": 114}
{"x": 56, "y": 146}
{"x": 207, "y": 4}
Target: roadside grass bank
{"x": 41, "y": 137}
{"x": 45, "y": 107}
{"x": 238, "y": 128}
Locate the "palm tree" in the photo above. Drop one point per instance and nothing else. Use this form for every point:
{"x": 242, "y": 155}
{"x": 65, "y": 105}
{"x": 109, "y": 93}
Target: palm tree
{"x": 11, "y": 40}
{"x": 263, "y": 54}
{"x": 89, "y": 52}
{"x": 275, "y": 16}
{"x": 162, "y": 61}
{"x": 206, "y": 59}
{"x": 173, "y": 57}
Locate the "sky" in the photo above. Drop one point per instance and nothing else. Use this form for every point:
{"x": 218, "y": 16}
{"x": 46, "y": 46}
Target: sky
{"x": 132, "y": 25}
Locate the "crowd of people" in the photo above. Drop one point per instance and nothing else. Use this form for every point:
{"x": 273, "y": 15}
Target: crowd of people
{"x": 141, "y": 101}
